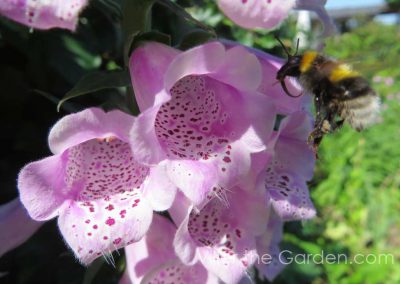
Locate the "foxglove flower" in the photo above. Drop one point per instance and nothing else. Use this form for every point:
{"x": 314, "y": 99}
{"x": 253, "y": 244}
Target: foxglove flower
{"x": 223, "y": 234}
{"x": 42, "y": 14}
{"x": 153, "y": 260}
{"x": 16, "y": 226}
{"x": 268, "y": 14}
{"x": 92, "y": 183}
{"x": 285, "y": 178}
{"x": 202, "y": 116}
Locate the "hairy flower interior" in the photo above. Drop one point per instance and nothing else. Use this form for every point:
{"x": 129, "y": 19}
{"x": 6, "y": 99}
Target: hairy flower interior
{"x": 99, "y": 168}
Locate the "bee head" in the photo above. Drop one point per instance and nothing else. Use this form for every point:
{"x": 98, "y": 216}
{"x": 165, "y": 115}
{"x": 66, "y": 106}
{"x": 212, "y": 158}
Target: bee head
{"x": 290, "y": 68}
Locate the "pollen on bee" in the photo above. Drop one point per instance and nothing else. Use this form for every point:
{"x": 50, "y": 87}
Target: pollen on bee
{"x": 342, "y": 71}
{"x": 307, "y": 60}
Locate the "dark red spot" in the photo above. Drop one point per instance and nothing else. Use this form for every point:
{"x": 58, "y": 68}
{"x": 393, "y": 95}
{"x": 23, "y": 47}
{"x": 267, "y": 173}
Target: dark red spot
{"x": 110, "y": 207}
{"x": 227, "y": 159}
{"x": 117, "y": 241}
{"x": 110, "y": 221}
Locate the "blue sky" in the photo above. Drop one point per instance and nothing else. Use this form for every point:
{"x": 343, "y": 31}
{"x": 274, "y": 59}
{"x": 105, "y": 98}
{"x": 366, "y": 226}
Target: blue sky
{"x": 339, "y": 4}
{"x": 335, "y": 4}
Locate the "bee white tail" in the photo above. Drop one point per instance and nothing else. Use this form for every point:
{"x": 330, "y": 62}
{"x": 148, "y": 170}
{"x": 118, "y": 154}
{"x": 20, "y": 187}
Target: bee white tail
{"x": 361, "y": 112}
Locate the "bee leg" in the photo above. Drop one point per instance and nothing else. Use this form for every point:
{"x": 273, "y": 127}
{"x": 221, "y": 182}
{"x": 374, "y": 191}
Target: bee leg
{"x": 318, "y": 109}
{"x": 316, "y": 133}
{"x": 315, "y": 139}
{"x": 325, "y": 125}
{"x": 316, "y": 143}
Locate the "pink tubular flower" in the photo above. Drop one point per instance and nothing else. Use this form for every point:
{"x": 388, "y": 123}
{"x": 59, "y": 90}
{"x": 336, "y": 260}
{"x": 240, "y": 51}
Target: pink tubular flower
{"x": 285, "y": 178}
{"x": 153, "y": 260}
{"x": 268, "y": 14}
{"x": 223, "y": 234}
{"x": 92, "y": 183}
{"x": 16, "y": 226}
{"x": 202, "y": 115}
{"x": 43, "y": 14}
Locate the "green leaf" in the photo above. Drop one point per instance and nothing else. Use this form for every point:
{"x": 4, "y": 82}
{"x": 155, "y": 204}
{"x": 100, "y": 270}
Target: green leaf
{"x": 109, "y": 7}
{"x": 136, "y": 19}
{"x": 138, "y": 38}
{"x": 66, "y": 106}
{"x": 195, "y": 38}
{"x": 181, "y": 12}
{"x": 96, "y": 81}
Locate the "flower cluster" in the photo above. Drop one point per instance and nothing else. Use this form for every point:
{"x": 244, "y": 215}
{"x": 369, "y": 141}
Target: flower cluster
{"x": 217, "y": 145}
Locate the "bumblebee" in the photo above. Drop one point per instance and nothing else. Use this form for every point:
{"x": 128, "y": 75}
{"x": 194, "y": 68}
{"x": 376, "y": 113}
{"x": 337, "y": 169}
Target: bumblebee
{"x": 341, "y": 94}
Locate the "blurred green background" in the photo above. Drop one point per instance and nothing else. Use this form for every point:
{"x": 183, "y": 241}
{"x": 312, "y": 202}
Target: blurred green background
{"x": 357, "y": 179}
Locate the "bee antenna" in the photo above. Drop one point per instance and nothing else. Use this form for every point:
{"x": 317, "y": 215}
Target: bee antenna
{"x": 297, "y": 46}
{"x": 284, "y": 47}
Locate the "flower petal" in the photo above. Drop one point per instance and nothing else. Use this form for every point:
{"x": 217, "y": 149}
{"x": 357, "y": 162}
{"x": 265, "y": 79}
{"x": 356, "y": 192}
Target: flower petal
{"x": 175, "y": 272}
{"x": 152, "y": 259}
{"x": 224, "y": 236}
{"x": 184, "y": 245}
{"x": 151, "y": 251}
{"x": 256, "y": 13}
{"x": 16, "y": 226}
{"x": 292, "y": 150}
{"x": 240, "y": 69}
{"x": 88, "y": 124}
{"x": 40, "y": 187}
{"x": 293, "y": 164}
{"x": 199, "y": 60}
{"x": 262, "y": 116}
{"x": 148, "y": 65}
{"x": 95, "y": 228}
{"x": 290, "y": 197}
{"x": 145, "y": 145}
{"x": 227, "y": 267}
{"x": 43, "y": 14}
{"x": 194, "y": 179}
{"x": 159, "y": 190}
{"x": 268, "y": 245}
